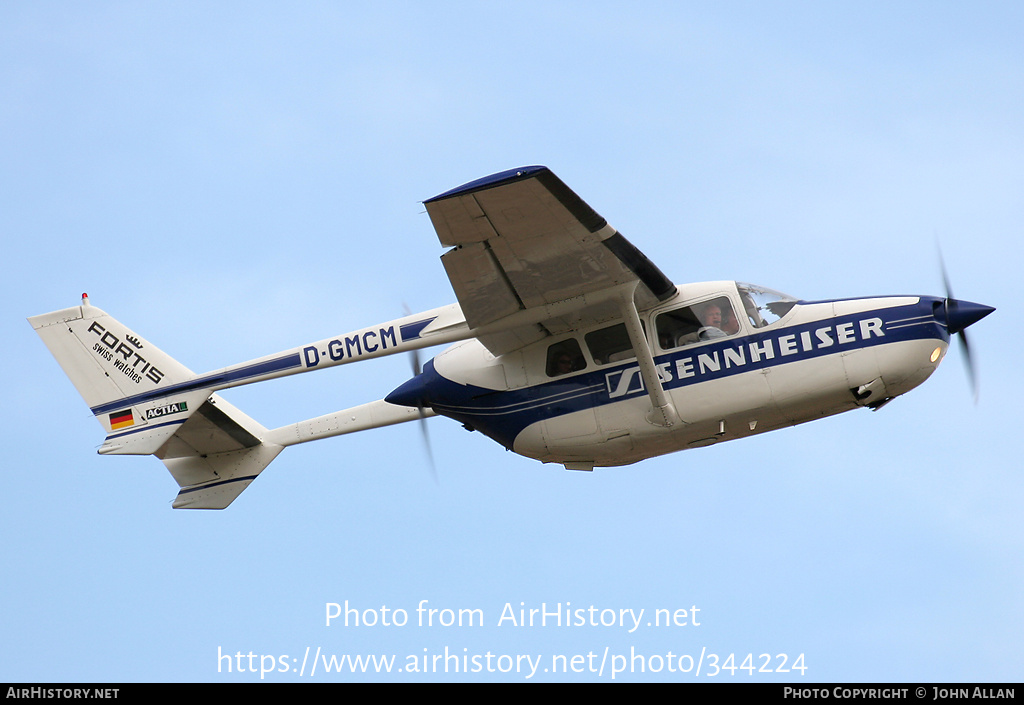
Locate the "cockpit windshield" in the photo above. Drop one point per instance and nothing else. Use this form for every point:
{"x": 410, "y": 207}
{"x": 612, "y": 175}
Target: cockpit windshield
{"x": 764, "y": 306}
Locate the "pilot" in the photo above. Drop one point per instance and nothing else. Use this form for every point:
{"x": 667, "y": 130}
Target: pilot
{"x": 711, "y": 322}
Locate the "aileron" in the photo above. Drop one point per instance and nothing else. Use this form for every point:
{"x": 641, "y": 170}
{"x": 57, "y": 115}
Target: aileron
{"x": 524, "y": 240}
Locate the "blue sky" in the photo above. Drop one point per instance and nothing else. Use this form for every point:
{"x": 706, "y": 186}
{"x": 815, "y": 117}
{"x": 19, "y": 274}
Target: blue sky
{"x": 244, "y": 178}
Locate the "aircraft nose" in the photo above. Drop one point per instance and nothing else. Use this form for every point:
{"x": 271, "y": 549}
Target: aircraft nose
{"x": 420, "y": 390}
{"x": 961, "y": 314}
{"x": 411, "y": 393}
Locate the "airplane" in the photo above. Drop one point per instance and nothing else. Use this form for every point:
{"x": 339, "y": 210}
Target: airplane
{"x": 567, "y": 346}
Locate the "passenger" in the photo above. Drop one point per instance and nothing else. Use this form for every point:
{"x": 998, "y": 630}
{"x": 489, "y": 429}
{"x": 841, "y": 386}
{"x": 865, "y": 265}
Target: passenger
{"x": 563, "y": 364}
{"x": 566, "y": 362}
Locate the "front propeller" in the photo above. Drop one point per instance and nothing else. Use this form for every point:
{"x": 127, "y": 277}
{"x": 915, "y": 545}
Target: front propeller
{"x": 422, "y": 410}
{"x": 423, "y": 417}
{"x": 959, "y": 315}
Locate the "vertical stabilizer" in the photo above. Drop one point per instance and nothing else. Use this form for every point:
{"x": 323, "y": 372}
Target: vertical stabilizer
{"x": 149, "y": 403}
{"x": 118, "y": 373}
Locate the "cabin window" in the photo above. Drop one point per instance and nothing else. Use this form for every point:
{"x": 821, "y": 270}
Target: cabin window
{"x": 694, "y": 324}
{"x": 610, "y": 344}
{"x": 565, "y": 357}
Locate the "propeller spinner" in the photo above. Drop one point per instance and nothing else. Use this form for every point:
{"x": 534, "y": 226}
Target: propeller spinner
{"x": 960, "y": 315}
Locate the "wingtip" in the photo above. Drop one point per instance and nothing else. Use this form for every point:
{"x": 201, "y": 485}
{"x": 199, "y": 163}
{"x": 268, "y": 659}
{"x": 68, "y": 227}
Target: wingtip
{"x": 498, "y": 179}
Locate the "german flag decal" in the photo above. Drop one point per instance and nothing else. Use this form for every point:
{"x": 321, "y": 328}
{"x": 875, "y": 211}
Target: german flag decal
{"x": 121, "y": 419}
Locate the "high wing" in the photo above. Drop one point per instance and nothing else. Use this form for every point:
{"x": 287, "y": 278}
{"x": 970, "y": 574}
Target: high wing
{"x": 530, "y": 258}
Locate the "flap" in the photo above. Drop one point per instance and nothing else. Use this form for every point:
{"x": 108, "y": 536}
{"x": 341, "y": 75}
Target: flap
{"x": 523, "y": 240}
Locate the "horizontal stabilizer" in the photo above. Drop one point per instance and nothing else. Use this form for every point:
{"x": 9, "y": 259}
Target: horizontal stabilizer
{"x": 226, "y": 475}
{"x": 215, "y": 455}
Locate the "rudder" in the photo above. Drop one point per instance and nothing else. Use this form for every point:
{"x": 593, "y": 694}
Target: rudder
{"x": 149, "y": 403}
{"x": 123, "y": 378}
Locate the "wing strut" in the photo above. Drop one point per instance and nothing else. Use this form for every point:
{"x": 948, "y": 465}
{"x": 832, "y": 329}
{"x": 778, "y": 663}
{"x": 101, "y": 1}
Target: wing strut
{"x": 663, "y": 412}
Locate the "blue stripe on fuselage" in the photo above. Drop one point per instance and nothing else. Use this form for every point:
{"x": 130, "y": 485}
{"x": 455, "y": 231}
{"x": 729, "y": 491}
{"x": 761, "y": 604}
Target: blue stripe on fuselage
{"x": 503, "y": 414}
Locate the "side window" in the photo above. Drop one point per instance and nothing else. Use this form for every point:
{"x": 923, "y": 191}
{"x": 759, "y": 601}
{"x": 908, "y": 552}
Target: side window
{"x": 693, "y": 324}
{"x": 610, "y": 344}
{"x": 565, "y": 357}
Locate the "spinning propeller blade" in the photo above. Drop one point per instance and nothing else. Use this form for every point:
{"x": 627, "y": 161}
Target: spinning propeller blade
{"x": 416, "y": 369}
{"x": 960, "y": 315}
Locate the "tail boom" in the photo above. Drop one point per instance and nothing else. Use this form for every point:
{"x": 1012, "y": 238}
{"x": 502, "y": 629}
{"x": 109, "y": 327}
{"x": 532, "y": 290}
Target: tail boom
{"x": 150, "y": 404}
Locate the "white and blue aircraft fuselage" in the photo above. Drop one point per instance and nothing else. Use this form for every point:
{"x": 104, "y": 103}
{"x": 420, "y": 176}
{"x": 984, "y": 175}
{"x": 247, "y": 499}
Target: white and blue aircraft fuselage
{"x": 820, "y": 359}
{"x": 571, "y": 347}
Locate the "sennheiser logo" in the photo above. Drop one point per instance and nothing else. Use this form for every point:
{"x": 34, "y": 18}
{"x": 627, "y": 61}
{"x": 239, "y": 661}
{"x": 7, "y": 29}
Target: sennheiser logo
{"x": 623, "y": 382}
